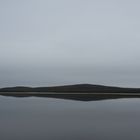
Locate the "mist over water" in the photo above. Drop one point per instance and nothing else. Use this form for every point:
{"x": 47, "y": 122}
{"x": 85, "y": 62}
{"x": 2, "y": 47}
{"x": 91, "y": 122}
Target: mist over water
{"x": 57, "y": 119}
{"x": 64, "y": 42}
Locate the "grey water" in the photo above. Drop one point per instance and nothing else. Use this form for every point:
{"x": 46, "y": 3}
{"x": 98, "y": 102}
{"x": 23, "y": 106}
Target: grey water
{"x": 58, "y": 119}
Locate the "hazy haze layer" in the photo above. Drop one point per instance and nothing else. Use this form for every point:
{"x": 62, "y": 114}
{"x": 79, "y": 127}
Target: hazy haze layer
{"x": 56, "y": 42}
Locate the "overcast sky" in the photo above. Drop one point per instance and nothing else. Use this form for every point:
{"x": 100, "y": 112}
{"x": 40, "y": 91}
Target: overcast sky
{"x": 56, "y": 42}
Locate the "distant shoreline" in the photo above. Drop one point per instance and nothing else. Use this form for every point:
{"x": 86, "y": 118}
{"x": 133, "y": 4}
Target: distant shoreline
{"x": 78, "y": 88}
{"x": 83, "y": 92}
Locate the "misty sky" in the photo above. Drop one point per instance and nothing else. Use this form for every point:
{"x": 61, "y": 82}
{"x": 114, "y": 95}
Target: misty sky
{"x": 56, "y": 42}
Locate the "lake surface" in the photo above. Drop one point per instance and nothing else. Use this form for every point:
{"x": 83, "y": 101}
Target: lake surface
{"x": 57, "y": 119}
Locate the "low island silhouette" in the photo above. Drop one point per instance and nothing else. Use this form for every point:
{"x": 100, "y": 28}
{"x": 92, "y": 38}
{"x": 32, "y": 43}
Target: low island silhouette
{"x": 83, "y": 92}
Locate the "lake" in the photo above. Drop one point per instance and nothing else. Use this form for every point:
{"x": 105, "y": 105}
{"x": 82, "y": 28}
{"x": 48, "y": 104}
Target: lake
{"x": 36, "y": 118}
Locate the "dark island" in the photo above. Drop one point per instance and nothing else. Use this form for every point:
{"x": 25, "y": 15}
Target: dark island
{"x": 83, "y": 92}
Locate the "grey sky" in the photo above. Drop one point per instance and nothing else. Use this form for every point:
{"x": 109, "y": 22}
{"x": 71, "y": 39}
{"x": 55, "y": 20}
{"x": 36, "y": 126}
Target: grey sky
{"x": 55, "y": 42}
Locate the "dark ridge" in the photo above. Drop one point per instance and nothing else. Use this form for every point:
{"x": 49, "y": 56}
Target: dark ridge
{"x": 81, "y": 92}
{"x": 17, "y": 89}
{"x": 79, "y": 88}
{"x": 87, "y": 88}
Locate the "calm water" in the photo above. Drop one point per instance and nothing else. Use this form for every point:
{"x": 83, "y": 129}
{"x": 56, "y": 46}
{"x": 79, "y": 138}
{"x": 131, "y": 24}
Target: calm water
{"x": 58, "y": 119}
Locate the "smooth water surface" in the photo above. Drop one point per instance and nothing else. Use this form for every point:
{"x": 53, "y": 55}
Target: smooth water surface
{"x": 57, "y": 119}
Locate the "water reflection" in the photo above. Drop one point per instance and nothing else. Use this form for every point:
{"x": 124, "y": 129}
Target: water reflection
{"x": 58, "y": 119}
